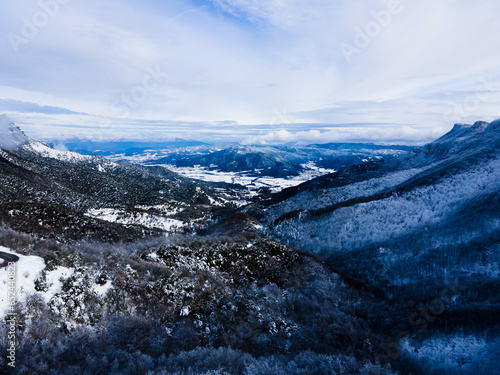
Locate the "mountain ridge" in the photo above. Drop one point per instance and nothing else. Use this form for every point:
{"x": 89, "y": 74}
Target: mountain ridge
{"x": 395, "y": 204}
{"x": 33, "y": 172}
{"x": 481, "y": 138}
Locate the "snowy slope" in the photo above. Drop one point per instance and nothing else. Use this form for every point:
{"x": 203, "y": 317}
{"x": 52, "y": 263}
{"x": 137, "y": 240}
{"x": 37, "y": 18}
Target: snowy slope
{"x": 28, "y": 269}
{"x": 48, "y": 152}
{"x": 137, "y": 218}
{"x": 13, "y": 138}
{"x": 408, "y": 223}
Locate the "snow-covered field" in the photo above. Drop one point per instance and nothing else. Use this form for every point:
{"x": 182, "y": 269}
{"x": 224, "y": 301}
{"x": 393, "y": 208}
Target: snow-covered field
{"x": 252, "y": 183}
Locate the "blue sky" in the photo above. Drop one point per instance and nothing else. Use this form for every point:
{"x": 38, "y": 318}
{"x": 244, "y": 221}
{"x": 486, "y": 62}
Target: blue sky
{"x": 252, "y": 71}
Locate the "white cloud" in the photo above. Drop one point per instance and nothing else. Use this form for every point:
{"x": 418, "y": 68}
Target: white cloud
{"x": 246, "y": 60}
{"x": 368, "y": 134}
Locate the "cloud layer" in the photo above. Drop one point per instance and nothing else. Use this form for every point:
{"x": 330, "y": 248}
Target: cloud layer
{"x": 271, "y": 68}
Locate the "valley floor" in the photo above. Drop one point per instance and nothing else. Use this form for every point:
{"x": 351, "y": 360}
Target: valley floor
{"x": 249, "y": 179}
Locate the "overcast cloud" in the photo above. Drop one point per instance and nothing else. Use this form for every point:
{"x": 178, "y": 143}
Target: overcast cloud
{"x": 253, "y": 71}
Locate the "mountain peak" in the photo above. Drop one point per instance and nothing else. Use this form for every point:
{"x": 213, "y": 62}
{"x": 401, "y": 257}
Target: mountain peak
{"x": 480, "y": 125}
{"x": 11, "y": 136}
{"x": 493, "y": 127}
{"x": 467, "y": 132}
{"x": 457, "y": 127}
{"x": 463, "y": 137}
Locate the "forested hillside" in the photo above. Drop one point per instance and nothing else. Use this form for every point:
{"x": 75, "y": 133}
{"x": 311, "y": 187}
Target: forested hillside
{"x": 408, "y": 228}
{"x": 389, "y": 266}
{"x": 126, "y": 269}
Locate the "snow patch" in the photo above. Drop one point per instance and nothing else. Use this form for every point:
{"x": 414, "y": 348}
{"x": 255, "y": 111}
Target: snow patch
{"x": 49, "y": 152}
{"x": 136, "y": 218}
{"x": 27, "y": 270}
{"x": 54, "y": 281}
{"x": 101, "y": 290}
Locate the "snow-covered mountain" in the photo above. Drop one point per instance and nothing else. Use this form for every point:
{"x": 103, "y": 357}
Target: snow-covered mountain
{"x": 62, "y": 190}
{"x": 407, "y": 228}
{"x": 272, "y": 161}
{"x": 255, "y": 161}
{"x": 421, "y": 230}
{"x": 442, "y": 196}
{"x": 11, "y": 136}
{"x": 111, "y": 292}
{"x": 389, "y": 265}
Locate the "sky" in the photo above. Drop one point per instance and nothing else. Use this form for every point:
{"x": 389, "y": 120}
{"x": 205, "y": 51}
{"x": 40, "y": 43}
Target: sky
{"x": 251, "y": 71}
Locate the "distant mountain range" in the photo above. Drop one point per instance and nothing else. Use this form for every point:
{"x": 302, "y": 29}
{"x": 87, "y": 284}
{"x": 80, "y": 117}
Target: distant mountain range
{"x": 123, "y": 147}
{"x": 272, "y": 161}
{"x": 283, "y": 161}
